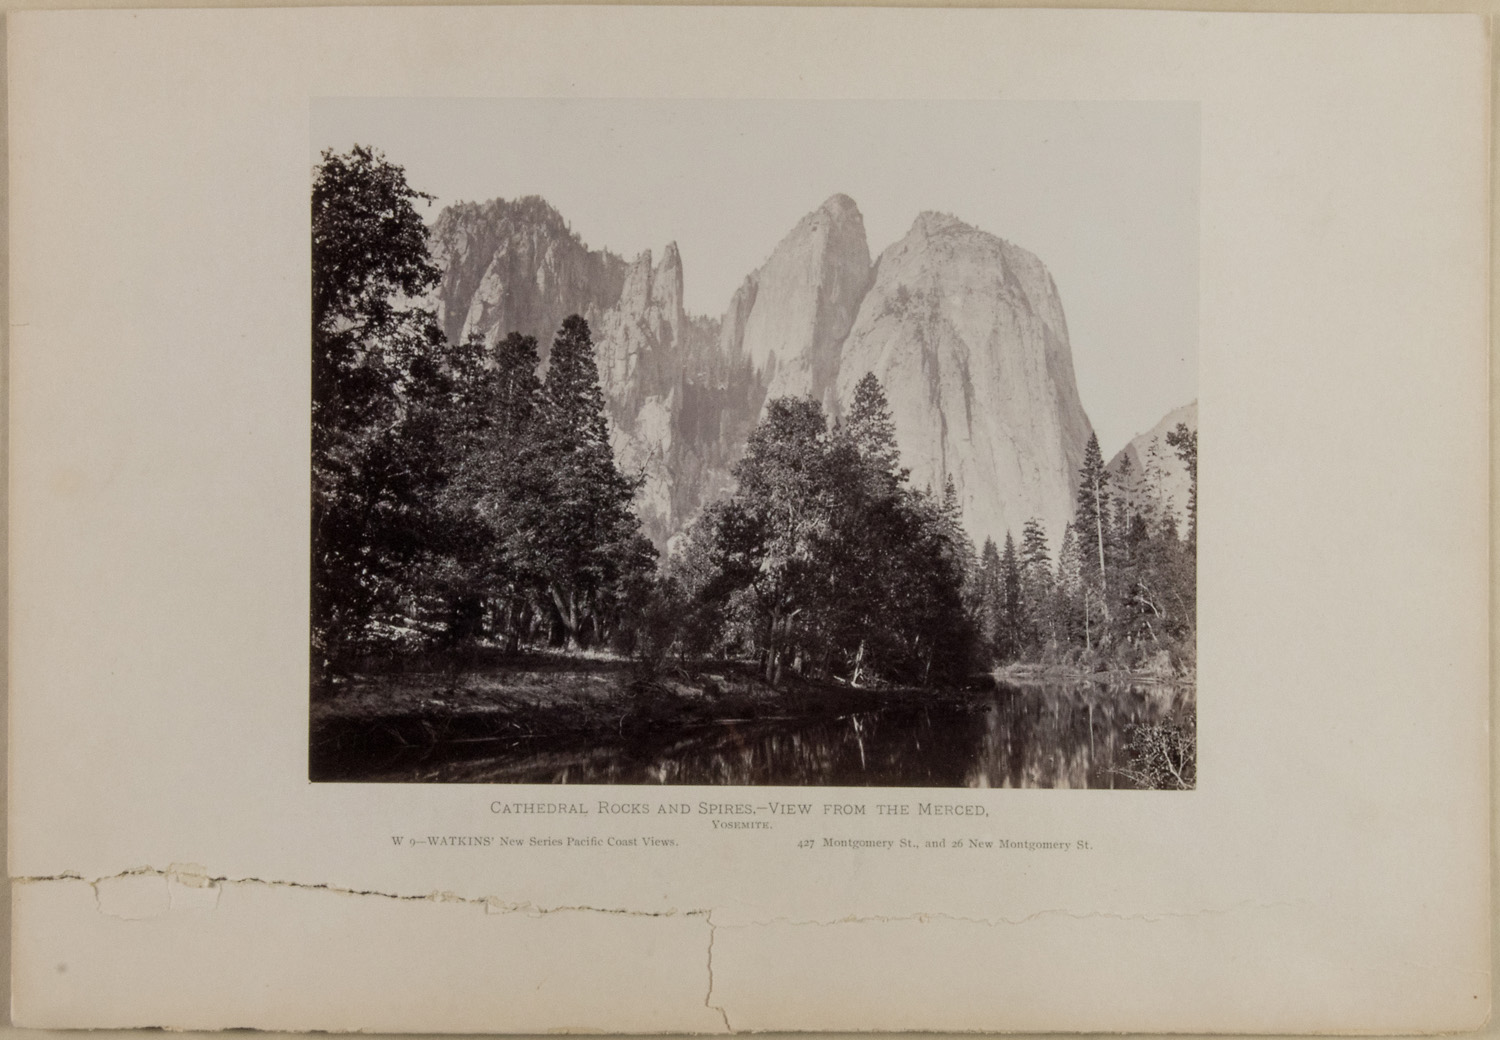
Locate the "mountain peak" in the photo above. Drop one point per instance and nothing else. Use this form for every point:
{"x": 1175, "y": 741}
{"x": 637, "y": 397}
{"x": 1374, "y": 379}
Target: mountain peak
{"x": 934, "y": 222}
{"x": 792, "y": 321}
{"x": 666, "y": 285}
{"x": 840, "y": 205}
{"x": 671, "y": 259}
{"x": 516, "y": 266}
{"x": 529, "y": 210}
{"x": 966, "y": 334}
{"x": 838, "y": 217}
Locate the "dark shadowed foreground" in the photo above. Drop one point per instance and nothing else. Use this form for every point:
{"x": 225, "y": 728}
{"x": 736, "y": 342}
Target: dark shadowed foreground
{"x": 555, "y": 719}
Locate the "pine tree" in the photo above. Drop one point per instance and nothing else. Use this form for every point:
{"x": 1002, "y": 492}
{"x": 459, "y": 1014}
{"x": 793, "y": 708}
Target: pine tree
{"x": 870, "y": 427}
{"x": 1091, "y": 518}
{"x": 1036, "y": 584}
{"x": 1185, "y": 443}
{"x": 1069, "y": 571}
{"x": 517, "y": 388}
{"x": 1010, "y": 601}
{"x": 1157, "y": 507}
{"x": 500, "y": 492}
{"x": 573, "y": 399}
{"x": 590, "y": 527}
{"x": 1128, "y": 497}
{"x": 951, "y": 518}
{"x": 952, "y": 511}
{"x": 990, "y": 601}
{"x": 866, "y": 480}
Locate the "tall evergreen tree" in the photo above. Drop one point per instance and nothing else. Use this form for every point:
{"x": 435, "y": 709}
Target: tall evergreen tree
{"x": 961, "y": 546}
{"x": 573, "y": 401}
{"x": 873, "y": 431}
{"x": 517, "y": 388}
{"x": 1010, "y": 601}
{"x": 1036, "y": 558}
{"x": 590, "y": 527}
{"x": 1036, "y": 586}
{"x": 1128, "y": 493}
{"x": 990, "y": 602}
{"x": 502, "y": 484}
{"x": 1091, "y": 518}
{"x": 1156, "y": 505}
{"x": 1072, "y": 589}
{"x": 1185, "y": 443}
{"x": 865, "y": 470}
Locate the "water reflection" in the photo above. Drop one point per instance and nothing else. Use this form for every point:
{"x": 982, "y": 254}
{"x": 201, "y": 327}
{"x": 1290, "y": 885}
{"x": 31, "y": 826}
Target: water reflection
{"x": 1019, "y": 736}
{"x": 1062, "y": 737}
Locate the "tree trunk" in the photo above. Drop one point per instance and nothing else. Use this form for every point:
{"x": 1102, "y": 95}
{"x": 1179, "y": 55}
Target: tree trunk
{"x": 567, "y": 613}
{"x": 1099, "y": 530}
{"x": 1088, "y": 645}
{"x": 771, "y": 669}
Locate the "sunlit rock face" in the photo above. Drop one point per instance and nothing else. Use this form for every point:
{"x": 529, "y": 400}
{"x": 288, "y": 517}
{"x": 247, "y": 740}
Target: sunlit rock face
{"x": 790, "y": 317}
{"x": 1156, "y": 475}
{"x": 966, "y": 333}
{"x": 964, "y": 330}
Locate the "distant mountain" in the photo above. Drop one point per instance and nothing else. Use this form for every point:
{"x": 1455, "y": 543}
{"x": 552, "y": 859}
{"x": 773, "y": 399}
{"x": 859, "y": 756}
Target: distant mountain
{"x": 1155, "y": 469}
{"x": 965, "y": 331}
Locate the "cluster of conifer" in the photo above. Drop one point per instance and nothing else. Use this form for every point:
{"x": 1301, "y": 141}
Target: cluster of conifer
{"x": 1122, "y": 591}
{"x": 455, "y": 494}
{"x": 824, "y": 561}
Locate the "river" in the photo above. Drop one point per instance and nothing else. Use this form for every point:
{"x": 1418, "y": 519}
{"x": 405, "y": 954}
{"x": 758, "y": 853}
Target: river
{"x": 1033, "y": 735}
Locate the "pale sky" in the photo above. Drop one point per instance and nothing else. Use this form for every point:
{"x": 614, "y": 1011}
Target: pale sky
{"x": 1105, "y": 193}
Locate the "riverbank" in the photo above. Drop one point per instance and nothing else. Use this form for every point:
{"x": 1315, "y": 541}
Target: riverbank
{"x": 1033, "y": 672}
{"x": 488, "y": 703}
{"x": 549, "y": 717}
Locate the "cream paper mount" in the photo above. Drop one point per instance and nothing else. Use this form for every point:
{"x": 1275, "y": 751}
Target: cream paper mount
{"x": 1281, "y": 217}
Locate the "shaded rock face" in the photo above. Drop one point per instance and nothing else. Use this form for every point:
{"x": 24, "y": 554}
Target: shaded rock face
{"x": 637, "y": 338}
{"x": 680, "y": 410}
{"x": 966, "y": 334}
{"x": 516, "y": 267}
{"x": 1157, "y": 475}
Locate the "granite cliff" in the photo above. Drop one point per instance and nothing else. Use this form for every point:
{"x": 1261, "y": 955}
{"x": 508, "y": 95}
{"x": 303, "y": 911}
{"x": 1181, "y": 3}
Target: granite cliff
{"x": 789, "y": 319}
{"x": 516, "y": 266}
{"x": 965, "y": 331}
